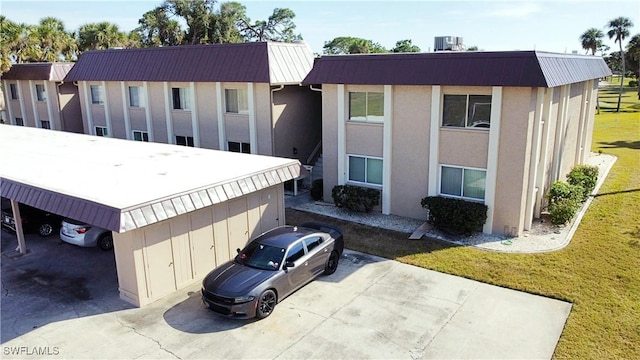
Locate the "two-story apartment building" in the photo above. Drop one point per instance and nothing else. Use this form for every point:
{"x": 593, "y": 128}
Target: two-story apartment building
{"x": 493, "y": 127}
{"x": 36, "y": 95}
{"x": 237, "y": 97}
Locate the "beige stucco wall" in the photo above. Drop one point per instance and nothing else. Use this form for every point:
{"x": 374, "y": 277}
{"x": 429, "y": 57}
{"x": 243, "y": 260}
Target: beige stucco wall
{"x": 297, "y": 121}
{"x": 207, "y": 115}
{"x": 329, "y": 139}
{"x": 57, "y": 104}
{"x": 159, "y": 259}
{"x": 410, "y": 150}
{"x": 364, "y": 138}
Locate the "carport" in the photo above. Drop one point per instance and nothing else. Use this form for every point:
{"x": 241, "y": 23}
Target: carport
{"x": 175, "y": 212}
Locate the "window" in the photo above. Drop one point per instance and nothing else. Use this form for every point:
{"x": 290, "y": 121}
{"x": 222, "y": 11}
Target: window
{"x": 462, "y": 182}
{"x": 40, "y": 93}
{"x": 96, "y": 94}
{"x": 471, "y": 111}
{"x": 184, "y": 140}
{"x": 101, "y": 131}
{"x": 239, "y": 147}
{"x": 45, "y": 124}
{"x": 134, "y": 96}
{"x": 295, "y": 252}
{"x": 180, "y": 98}
{"x": 365, "y": 170}
{"x": 14, "y": 91}
{"x": 140, "y": 136}
{"x": 19, "y": 122}
{"x": 236, "y": 101}
{"x": 366, "y": 106}
{"x": 312, "y": 243}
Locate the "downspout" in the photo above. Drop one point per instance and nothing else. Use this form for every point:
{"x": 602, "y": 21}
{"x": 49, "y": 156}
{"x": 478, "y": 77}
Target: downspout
{"x": 273, "y": 132}
{"x": 60, "y": 114}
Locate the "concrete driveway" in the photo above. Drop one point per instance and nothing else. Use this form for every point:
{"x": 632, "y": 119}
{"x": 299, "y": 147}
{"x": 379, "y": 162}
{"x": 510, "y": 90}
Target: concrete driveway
{"x": 370, "y": 308}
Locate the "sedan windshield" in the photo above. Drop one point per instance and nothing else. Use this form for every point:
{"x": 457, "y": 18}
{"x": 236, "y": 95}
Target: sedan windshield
{"x": 260, "y": 256}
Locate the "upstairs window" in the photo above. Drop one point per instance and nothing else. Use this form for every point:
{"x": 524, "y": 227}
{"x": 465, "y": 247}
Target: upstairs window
{"x": 468, "y": 111}
{"x": 366, "y": 106}
{"x": 40, "y": 93}
{"x": 463, "y": 182}
{"x": 134, "y": 96}
{"x": 140, "y": 136}
{"x": 14, "y": 91}
{"x": 101, "y": 131}
{"x": 236, "y": 101}
{"x": 184, "y": 140}
{"x": 96, "y": 94}
{"x": 45, "y": 124}
{"x": 180, "y": 97}
{"x": 19, "y": 121}
{"x": 239, "y": 147}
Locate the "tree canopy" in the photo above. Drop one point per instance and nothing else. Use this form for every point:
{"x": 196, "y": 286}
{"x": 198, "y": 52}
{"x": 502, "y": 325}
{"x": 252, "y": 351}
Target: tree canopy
{"x": 352, "y": 45}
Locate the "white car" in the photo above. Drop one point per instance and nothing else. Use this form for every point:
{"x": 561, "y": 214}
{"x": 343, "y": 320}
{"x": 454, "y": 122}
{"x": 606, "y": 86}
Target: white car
{"x": 85, "y": 235}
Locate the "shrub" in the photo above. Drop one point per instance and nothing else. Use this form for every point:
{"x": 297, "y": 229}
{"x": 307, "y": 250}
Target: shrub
{"x": 316, "y": 189}
{"x": 355, "y": 198}
{"x": 455, "y": 215}
{"x": 633, "y": 83}
{"x": 564, "y": 201}
{"x": 585, "y": 176}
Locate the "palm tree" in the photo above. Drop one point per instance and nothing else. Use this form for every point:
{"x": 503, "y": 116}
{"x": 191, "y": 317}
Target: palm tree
{"x": 592, "y": 40}
{"x": 619, "y": 28}
{"x": 54, "y": 42}
{"x": 100, "y": 36}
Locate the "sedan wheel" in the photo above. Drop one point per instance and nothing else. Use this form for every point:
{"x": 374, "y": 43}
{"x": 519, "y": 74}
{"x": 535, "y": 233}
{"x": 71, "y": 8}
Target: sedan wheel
{"x": 266, "y": 304}
{"x": 45, "y": 229}
{"x": 106, "y": 242}
{"x": 332, "y": 263}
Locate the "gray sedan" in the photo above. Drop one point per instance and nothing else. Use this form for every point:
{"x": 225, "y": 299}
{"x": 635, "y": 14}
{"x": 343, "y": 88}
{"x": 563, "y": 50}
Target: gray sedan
{"x": 272, "y": 267}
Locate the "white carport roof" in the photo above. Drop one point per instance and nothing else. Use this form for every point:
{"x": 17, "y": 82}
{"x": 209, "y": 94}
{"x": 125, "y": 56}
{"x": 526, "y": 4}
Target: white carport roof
{"x": 122, "y": 185}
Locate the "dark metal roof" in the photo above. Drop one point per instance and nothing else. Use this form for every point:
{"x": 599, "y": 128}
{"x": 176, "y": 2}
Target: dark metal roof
{"x": 244, "y": 62}
{"x": 513, "y": 68}
{"x": 38, "y": 71}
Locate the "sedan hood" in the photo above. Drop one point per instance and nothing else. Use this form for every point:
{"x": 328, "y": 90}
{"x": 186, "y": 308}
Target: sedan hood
{"x": 233, "y": 279}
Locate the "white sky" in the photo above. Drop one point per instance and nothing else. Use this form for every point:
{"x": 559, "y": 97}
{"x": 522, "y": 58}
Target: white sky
{"x": 490, "y": 25}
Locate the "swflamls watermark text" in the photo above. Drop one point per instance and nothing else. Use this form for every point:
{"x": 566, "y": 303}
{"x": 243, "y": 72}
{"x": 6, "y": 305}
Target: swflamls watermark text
{"x": 31, "y": 350}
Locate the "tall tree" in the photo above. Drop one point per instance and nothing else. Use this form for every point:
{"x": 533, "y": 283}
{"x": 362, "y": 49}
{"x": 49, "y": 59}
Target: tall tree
{"x": 633, "y": 57}
{"x": 278, "y": 27}
{"x": 592, "y": 40}
{"x": 157, "y": 29}
{"x": 405, "y": 46}
{"x": 100, "y": 36}
{"x": 619, "y": 29}
{"x": 352, "y": 45}
{"x": 228, "y": 21}
{"x": 199, "y": 16}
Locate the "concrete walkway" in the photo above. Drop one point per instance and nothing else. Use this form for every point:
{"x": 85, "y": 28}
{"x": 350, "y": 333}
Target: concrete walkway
{"x": 542, "y": 237}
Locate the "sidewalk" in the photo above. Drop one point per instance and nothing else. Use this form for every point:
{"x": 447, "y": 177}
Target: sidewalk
{"x": 543, "y": 236}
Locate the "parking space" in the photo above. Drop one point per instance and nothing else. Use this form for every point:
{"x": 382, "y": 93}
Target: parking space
{"x": 53, "y": 282}
{"x": 64, "y": 299}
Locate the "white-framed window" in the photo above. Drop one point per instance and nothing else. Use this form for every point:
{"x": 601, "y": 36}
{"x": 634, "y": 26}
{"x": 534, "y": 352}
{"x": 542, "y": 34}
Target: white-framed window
{"x": 13, "y": 88}
{"x": 40, "y": 92}
{"x": 470, "y": 111}
{"x": 239, "y": 147}
{"x": 135, "y": 96}
{"x": 184, "y": 140}
{"x": 97, "y": 95}
{"x": 101, "y": 131}
{"x": 236, "y": 101}
{"x": 365, "y": 169}
{"x": 19, "y": 121}
{"x": 366, "y": 106}
{"x": 180, "y": 98}
{"x": 461, "y": 182}
{"x": 140, "y": 135}
{"x": 45, "y": 124}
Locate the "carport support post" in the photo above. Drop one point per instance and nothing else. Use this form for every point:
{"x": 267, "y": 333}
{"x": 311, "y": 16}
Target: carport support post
{"x": 22, "y": 246}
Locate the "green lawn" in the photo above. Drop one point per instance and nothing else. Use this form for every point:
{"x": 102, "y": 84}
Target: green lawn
{"x": 599, "y": 272}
